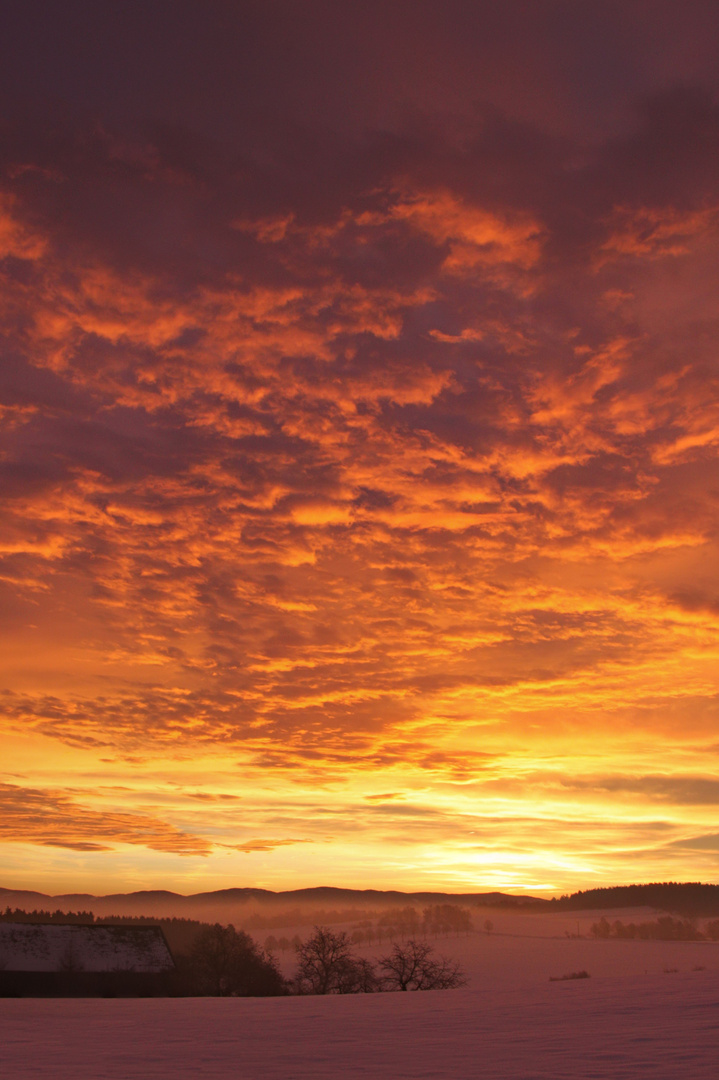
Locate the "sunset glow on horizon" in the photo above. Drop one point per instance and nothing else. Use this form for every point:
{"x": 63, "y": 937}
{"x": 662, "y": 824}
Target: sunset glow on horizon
{"x": 359, "y": 407}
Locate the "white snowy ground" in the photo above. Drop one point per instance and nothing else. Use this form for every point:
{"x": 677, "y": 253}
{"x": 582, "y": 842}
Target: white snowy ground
{"x": 631, "y": 1019}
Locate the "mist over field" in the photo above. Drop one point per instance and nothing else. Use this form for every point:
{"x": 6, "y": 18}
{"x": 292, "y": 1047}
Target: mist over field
{"x": 647, "y": 1007}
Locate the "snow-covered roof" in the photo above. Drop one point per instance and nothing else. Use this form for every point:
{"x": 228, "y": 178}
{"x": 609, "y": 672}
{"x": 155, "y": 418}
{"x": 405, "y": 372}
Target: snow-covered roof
{"x": 40, "y": 947}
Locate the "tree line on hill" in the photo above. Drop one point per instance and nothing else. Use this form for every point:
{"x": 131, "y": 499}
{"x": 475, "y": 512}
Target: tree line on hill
{"x": 685, "y": 898}
{"x": 386, "y": 923}
{"x": 437, "y": 920}
{"x": 64, "y": 918}
{"x": 664, "y": 928}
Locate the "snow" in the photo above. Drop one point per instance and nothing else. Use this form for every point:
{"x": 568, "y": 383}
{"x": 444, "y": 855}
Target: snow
{"x": 524, "y": 949}
{"x": 631, "y": 1019}
{"x": 35, "y": 947}
{"x": 666, "y": 1027}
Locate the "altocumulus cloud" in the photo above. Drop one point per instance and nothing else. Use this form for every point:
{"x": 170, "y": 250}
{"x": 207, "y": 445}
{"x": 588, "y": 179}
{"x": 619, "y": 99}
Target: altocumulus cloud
{"x": 358, "y": 429}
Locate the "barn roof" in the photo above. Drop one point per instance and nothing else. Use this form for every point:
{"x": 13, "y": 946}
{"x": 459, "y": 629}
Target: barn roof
{"x": 43, "y": 947}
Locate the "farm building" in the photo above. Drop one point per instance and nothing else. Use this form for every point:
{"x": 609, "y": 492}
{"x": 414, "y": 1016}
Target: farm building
{"x": 47, "y": 960}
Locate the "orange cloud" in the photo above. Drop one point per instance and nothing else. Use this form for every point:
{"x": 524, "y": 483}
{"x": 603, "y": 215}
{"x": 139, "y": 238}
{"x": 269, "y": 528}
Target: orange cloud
{"x": 406, "y": 489}
{"x": 265, "y": 845}
{"x": 654, "y": 232}
{"x": 16, "y": 238}
{"x": 477, "y": 238}
{"x": 54, "y": 819}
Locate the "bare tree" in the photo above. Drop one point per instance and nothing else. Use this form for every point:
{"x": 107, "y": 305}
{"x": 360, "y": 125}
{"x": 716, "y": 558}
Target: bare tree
{"x": 412, "y": 966}
{"x": 325, "y": 964}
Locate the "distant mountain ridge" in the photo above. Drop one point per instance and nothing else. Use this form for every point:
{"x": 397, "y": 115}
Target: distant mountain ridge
{"x": 162, "y": 902}
{"x": 686, "y": 898}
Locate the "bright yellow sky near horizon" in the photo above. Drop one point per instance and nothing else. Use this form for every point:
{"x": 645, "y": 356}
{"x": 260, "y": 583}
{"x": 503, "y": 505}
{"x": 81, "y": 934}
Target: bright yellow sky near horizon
{"x": 360, "y": 490}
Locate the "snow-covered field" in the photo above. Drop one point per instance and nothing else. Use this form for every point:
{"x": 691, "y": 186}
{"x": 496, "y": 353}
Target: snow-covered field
{"x": 631, "y": 1019}
{"x": 525, "y": 950}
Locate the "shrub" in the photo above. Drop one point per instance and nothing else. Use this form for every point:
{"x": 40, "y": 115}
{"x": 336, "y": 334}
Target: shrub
{"x": 226, "y": 962}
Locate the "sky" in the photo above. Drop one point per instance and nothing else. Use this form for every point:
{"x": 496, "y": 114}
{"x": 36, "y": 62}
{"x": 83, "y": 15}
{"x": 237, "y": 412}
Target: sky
{"x": 359, "y": 432}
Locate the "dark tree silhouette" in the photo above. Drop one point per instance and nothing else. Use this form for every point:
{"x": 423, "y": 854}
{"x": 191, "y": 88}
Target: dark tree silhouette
{"x": 358, "y": 976}
{"x": 664, "y": 928}
{"x": 225, "y": 962}
{"x": 412, "y": 966}
{"x": 326, "y": 965}
{"x": 446, "y": 919}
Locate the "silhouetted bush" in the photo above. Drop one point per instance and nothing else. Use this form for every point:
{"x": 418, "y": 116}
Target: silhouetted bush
{"x": 227, "y": 962}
